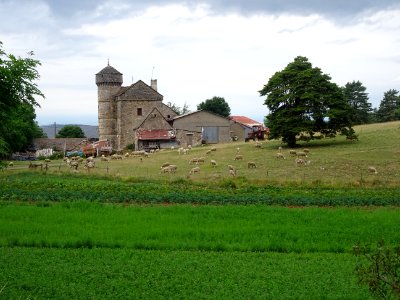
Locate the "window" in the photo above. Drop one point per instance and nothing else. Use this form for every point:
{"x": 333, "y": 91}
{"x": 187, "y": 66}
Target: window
{"x": 139, "y": 111}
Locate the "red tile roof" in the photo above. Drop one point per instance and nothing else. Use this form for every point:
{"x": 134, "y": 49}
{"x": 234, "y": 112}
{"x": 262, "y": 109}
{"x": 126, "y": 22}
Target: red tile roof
{"x": 155, "y": 134}
{"x": 245, "y": 121}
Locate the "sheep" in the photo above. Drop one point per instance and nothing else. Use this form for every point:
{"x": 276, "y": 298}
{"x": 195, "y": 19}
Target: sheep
{"x": 116, "y": 156}
{"x": 89, "y": 165}
{"x": 11, "y": 164}
{"x": 208, "y": 152}
{"x": 280, "y": 156}
{"x": 238, "y": 157}
{"x": 230, "y": 167}
{"x": 213, "y": 149}
{"x": 180, "y": 151}
{"x": 300, "y": 161}
{"x": 301, "y": 154}
{"x": 232, "y": 173}
{"x": 166, "y": 164}
{"x": 213, "y": 163}
{"x": 189, "y": 147}
{"x": 237, "y": 150}
{"x": 200, "y": 160}
{"x": 194, "y": 170}
{"x": 258, "y": 144}
{"x": 35, "y": 165}
{"x": 47, "y": 160}
{"x": 90, "y": 158}
{"x": 169, "y": 169}
{"x": 280, "y": 149}
{"x": 293, "y": 152}
{"x": 372, "y": 169}
{"x": 74, "y": 165}
{"x": 103, "y": 158}
{"x": 193, "y": 161}
{"x": 306, "y": 150}
{"x": 251, "y": 164}
{"x": 80, "y": 160}
{"x": 126, "y": 155}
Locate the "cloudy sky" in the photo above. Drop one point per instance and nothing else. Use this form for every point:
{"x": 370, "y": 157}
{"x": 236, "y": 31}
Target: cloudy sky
{"x": 199, "y": 49}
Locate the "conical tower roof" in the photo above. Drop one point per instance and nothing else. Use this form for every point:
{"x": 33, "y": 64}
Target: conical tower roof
{"x": 109, "y": 75}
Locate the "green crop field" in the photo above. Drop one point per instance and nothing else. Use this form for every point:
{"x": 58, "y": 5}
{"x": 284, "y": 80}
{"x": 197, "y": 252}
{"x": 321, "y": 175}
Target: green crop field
{"x": 126, "y": 231}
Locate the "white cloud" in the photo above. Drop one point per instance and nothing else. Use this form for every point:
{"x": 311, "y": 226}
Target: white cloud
{"x": 198, "y": 54}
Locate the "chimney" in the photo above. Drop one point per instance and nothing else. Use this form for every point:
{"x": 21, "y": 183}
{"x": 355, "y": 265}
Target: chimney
{"x": 154, "y": 84}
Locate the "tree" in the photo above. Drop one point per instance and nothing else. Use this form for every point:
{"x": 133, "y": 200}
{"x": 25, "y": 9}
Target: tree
{"x": 216, "y": 105}
{"x": 17, "y": 101}
{"x": 303, "y": 101}
{"x": 381, "y": 273}
{"x": 70, "y": 131}
{"x": 177, "y": 109}
{"x": 355, "y": 94}
{"x": 389, "y": 108}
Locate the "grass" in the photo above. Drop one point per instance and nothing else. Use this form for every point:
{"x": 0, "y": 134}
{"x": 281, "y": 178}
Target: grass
{"x": 334, "y": 162}
{"x": 120, "y": 231}
{"x": 102, "y": 273}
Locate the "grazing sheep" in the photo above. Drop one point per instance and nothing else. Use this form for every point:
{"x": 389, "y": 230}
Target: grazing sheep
{"x": 293, "y": 152}
{"x": 237, "y": 150}
{"x": 230, "y": 167}
{"x": 80, "y": 160}
{"x": 232, "y": 173}
{"x": 180, "y": 151}
{"x": 372, "y": 169}
{"x": 200, "y": 160}
{"x": 74, "y": 165}
{"x": 189, "y": 147}
{"x": 35, "y": 165}
{"x": 169, "y": 169}
{"x": 126, "y": 155}
{"x": 301, "y": 154}
{"x": 166, "y": 164}
{"x": 306, "y": 150}
{"x": 208, "y": 152}
{"x": 116, "y": 156}
{"x": 11, "y": 164}
{"x": 89, "y": 165}
{"x": 280, "y": 156}
{"x": 47, "y": 160}
{"x": 258, "y": 144}
{"x": 251, "y": 164}
{"x": 213, "y": 149}
{"x": 65, "y": 159}
{"x": 194, "y": 170}
{"x": 104, "y": 158}
{"x": 213, "y": 163}
{"x": 300, "y": 161}
{"x": 193, "y": 161}
{"x": 280, "y": 149}
{"x": 172, "y": 147}
{"x": 238, "y": 157}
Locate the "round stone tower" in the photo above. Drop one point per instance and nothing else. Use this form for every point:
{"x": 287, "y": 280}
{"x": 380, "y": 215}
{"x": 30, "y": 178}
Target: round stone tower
{"x": 109, "y": 82}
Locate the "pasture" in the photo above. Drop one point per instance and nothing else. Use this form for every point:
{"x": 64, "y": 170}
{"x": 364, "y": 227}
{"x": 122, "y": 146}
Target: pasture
{"x": 126, "y": 230}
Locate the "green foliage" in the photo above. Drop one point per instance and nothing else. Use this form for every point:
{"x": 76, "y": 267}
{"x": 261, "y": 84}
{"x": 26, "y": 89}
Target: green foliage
{"x": 216, "y": 105}
{"x": 381, "y": 271}
{"x": 17, "y": 102}
{"x": 103, "y": 273}
{"x": 355, "y": 95}
{"x": 70, "y": 131}
{"x": 389, "y": 108}
{"x": 302, "y": 100}
{"x": 179, "y": 110}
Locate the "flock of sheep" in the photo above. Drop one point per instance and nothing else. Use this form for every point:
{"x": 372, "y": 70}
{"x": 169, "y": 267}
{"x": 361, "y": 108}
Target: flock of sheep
{"x": 301, "y": 158}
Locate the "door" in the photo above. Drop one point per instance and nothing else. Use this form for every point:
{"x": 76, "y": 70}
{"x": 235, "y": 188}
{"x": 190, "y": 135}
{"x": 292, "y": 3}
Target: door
{"x": 210, "y": 134}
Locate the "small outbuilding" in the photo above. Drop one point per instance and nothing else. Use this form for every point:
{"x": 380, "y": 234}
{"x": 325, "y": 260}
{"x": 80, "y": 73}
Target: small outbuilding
{"x": 244, "y": 129}
{"x": 201, "y": 127}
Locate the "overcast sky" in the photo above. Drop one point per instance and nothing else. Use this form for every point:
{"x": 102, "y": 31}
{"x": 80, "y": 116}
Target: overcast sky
{"x": 199, "y": 49}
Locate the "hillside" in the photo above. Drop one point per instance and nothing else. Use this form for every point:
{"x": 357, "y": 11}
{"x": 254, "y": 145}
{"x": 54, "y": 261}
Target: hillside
{"x": 89, "y": 130}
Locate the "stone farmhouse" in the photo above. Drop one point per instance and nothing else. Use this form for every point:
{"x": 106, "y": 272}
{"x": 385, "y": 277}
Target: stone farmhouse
{"x": 136, "y": 115}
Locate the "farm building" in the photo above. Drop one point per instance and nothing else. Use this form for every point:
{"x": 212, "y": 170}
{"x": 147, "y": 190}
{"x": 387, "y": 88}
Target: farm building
{"x": 123, "y": 111}
{"x": 195, "y": 127}
{"x": 244, "y": 128}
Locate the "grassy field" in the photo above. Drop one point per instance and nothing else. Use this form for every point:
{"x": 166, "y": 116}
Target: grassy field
{"x": 124, "y": 230}
{"x": 334, "y": 162}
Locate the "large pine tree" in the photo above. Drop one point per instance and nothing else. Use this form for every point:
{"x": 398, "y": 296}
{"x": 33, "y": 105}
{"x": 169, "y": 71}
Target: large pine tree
{"x": 356, "y": 96}
{"x": 389, "y": 108}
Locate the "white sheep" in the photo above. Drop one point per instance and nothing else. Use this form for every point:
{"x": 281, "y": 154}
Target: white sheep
{"x": 306, "y": 150}
{"x": 74, "y": 165}
{"x": 11, "y": 164}
{"x": 169, "y": 169}
{"x": 166, "y": 164}
{"x": 47, "y": 160}
{"x": 232, "y": 173}
{"x": 293, "y": 152}
{"x": 194, "y": 170}
{"x": 280, "y": 156}
{"x": 301, "y": 154}
{"x": 208, "y": 152}
{"x": 213, "y": 149}
{"x": 372, "y": 169}
{"x": 238, "y": 157}
{"x": 213, "y": 163}
{"x": 230, "y": 167}
{"x": 280, "y": 149}
{"x": 89, "y": 165}
{"x": 237, "y": 150}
